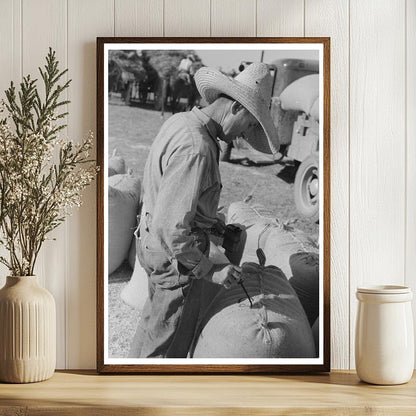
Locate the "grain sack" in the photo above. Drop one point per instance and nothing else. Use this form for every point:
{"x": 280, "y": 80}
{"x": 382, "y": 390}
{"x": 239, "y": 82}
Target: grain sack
{"x": 136, "y": 291}
{"x": 305, "y": 281}
{"x": 275, "y": 327}
{"x": 282, "y": 242}
{"x": 116, "y": 164}
{"x": 252, "y": 237}
{"x": 254, "y": 220}
{"x": 123, "y": 205}
{"x": 262, "y": 230}
{"x": 248, "y": 214}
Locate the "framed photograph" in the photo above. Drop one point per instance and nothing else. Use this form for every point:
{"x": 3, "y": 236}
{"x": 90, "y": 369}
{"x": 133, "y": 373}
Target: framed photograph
{"x": 213, "y": 212}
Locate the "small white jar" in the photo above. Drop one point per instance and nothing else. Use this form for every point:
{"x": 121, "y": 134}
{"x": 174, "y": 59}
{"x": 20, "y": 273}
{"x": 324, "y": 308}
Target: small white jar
{"x": 384, "y": 337}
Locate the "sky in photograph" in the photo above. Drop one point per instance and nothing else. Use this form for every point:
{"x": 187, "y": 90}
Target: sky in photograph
{"x": 229, "y": 59}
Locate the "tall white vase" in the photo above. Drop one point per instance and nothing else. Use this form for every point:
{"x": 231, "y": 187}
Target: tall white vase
{"x": 27, "y": 331}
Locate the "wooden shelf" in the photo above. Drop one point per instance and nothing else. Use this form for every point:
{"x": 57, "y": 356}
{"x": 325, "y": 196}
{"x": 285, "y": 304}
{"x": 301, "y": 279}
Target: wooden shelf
{"x": 86, "y": 393}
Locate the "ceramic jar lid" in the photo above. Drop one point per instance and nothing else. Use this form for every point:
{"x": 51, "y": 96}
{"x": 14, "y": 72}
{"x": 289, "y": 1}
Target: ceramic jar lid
{"x": 384, "y": 289}
{"x": 384, "y": 294}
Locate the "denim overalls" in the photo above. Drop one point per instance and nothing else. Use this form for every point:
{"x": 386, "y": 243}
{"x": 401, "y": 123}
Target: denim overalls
{"x": 172, "y": 294}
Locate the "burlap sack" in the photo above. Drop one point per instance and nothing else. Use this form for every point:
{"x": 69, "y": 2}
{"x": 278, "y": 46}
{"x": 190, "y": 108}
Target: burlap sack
{"x": 123, "y": 205}
{"x": 275, "y": 327}
{"x": 136, "y": 291}
{"x": 281, "y": 243}
{"x": 262, "y": 230}
{"x": 305, "y": 281}
{"x": 248, "y": 214}
{"x": 116, "y": 164}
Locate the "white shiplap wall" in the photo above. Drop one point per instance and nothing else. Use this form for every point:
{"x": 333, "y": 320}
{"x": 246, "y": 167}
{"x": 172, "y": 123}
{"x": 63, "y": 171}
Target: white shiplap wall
{"x": 410, "y": 114}
{"x": 331, "y": 18}
{"x": 373, "y": 122}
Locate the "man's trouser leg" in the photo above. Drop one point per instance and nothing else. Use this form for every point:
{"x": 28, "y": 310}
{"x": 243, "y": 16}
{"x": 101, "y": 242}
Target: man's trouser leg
{"x": 161, "y": 332}
{"x": 188, "y": 322}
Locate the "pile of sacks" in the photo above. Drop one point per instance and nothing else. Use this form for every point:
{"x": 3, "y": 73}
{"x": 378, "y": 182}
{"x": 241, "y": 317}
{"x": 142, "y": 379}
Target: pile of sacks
{"x": 124, "y": 190}
{"x": 123, "y": 206}
{"x": 284, "y": 319}
{"x": 262, "y": 230}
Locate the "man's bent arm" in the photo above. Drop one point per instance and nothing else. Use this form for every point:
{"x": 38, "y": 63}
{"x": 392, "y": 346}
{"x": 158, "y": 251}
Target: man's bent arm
{"x": 175, "y": 208}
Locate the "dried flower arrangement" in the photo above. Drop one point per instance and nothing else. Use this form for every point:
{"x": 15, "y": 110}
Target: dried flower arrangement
{"x": 42, "y": 176}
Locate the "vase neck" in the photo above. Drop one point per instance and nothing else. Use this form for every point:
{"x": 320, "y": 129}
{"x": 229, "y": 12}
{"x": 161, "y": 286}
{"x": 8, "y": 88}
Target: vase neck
{"x": 22, "y": 280}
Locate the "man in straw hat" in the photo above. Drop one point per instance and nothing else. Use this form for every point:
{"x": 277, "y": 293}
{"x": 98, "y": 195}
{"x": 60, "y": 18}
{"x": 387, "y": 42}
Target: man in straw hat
{"x": 181, "y": 191}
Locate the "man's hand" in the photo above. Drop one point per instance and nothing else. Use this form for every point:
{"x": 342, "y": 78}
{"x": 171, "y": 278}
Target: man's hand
{"x": 227, "y": 275}
{"x": 219, "y": 227}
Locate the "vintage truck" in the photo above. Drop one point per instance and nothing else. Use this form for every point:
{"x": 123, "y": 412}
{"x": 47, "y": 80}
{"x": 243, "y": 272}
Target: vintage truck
{"x": 295, "y": 112}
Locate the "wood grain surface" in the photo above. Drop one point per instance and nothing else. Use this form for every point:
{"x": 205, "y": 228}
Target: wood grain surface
{"x": 339, "y": 393}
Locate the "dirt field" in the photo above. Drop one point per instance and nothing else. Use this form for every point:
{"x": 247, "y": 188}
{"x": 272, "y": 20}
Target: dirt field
{"x": 131, "y": 131}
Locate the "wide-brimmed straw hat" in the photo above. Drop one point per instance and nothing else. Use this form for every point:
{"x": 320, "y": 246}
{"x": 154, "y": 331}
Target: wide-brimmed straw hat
{"x": 252, "y": 88}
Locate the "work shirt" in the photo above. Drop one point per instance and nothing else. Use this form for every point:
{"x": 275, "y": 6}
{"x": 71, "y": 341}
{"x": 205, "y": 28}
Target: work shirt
{"x": 181, "y": 186}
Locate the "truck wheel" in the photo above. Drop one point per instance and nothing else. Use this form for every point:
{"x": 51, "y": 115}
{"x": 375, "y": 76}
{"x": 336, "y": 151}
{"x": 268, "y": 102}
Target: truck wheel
{"x": 306, "y": 188}
{"x": 226, "y": 148}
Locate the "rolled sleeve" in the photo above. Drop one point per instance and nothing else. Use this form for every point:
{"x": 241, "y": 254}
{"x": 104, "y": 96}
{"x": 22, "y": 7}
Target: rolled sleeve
{"x": 203, "y": 268}
{"x": 177, "y": 199}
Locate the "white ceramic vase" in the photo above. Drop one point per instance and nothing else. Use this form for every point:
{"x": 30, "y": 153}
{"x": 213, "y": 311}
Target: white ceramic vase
{"x": 27, "y": 331}
{"x": 384, "y": 342}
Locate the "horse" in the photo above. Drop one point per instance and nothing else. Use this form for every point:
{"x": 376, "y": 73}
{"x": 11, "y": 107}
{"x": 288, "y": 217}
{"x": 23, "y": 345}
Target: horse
{"x": 177, "y": 87}
{"x": 180, "y": 88}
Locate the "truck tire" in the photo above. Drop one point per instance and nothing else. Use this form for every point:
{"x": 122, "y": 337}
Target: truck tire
{"x": 306, "y": 188}
{"x": 226, "y": 148}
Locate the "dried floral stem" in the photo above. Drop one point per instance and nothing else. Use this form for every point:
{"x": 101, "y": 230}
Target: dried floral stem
{"x": 36, "y": 194}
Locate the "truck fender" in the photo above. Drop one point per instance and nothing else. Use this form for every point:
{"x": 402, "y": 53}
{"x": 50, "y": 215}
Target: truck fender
{"x": 302, "y": 95}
